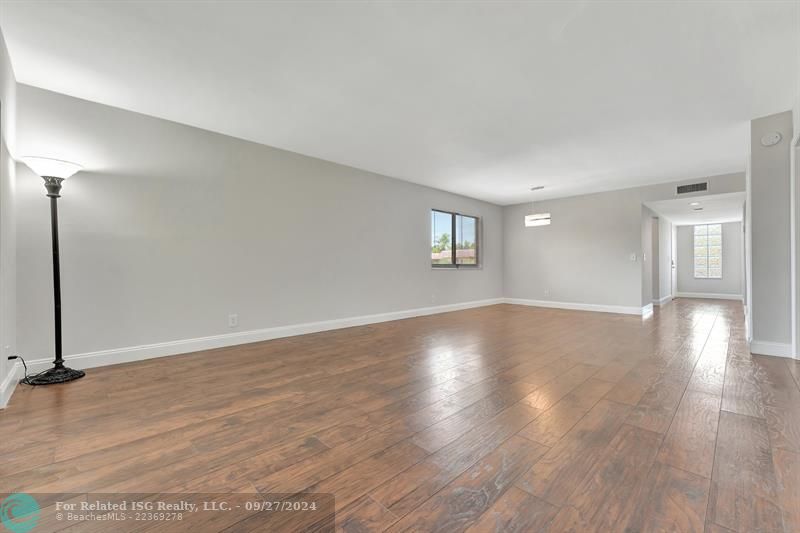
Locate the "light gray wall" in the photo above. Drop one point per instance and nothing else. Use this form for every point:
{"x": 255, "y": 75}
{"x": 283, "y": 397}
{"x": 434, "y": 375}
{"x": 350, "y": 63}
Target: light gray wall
{"x": 795, "y": 164}
{"x": 584, "y": 255}
{"x": 770, "y": 220}
{"x": 171, "y": 228}
{"x": 8, "y": 287}
{"x": 732, "y": 253}
{"x": 795, "y": 169}
{"x": 748, "y": 252}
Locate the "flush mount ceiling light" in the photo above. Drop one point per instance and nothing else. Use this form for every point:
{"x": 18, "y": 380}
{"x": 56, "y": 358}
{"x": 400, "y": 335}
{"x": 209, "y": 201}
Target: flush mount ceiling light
{"x": 537, "y": 219}
{"x": 694, "y": 204}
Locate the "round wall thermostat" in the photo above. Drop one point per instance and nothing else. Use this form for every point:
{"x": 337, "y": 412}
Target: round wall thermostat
{"x": 771, "y": 139}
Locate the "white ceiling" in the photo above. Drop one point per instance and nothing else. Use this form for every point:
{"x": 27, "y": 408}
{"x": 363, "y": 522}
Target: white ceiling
{"x": 715, "y": 208}
{"x": 480, "y": 98}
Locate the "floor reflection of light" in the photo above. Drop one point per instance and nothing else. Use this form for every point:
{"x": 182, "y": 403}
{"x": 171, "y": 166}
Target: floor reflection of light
{"x": 440, "y": 358}
{"x": 444, "y": 357}
{"x": 696, "y": 340}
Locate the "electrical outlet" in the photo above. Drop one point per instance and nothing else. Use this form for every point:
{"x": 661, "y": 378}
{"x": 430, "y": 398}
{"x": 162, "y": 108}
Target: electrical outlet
{"x": 633, "y": 257}
{"x": 233, "y": 320}
{"x": 547, "y": 292}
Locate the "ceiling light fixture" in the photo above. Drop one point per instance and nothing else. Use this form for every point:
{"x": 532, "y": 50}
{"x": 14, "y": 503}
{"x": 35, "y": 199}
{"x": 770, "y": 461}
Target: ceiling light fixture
{"x": 537, "y": 219}
{"x": 693, "y": 204}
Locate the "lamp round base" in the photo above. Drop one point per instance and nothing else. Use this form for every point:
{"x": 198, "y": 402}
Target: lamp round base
{"x": 55, "y": 375}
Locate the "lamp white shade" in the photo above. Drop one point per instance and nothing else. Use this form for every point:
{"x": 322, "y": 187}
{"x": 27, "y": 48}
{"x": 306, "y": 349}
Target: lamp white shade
{"x": 540, "y": 219}
{"x": 56, "y": 168}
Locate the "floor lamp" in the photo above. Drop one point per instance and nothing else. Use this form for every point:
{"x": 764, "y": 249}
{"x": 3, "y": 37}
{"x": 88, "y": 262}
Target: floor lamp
{"x": 53, "y": 172}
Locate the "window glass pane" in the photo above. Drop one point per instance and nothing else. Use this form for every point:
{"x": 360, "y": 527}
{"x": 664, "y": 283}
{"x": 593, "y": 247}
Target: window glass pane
{"x": 708, "y": 251}
{"x": 441, "y": 238}
{"x": 466, "y": 240}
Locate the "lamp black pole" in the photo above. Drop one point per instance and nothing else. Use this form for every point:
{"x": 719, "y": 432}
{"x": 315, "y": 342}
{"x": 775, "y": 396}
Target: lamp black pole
{"x": 59, "y": 373}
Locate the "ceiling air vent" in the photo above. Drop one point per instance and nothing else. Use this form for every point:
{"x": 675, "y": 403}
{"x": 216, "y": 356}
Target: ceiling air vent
{"x": 694, "y": 187}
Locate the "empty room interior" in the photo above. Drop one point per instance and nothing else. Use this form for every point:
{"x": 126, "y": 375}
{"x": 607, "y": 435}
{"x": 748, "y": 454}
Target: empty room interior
{"x": 399, "y": 266}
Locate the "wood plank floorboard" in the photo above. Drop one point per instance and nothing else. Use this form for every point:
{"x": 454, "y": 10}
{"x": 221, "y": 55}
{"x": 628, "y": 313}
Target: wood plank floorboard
{"x": 365, "y": 514}
{"x": 501, "y": 418}
{"x": 516, "y": 512}
{"x": 741, "y": 393}
{"x": 675, "y": 500}
{"x": 462, "y": 502}
{"x": 554, "y": 477}
{"x": 691, "y": 439}
{"x": 744, "y": 488}
{"x": 787, "y": 469}
{"x": 794, "y": 368}
{"x": 611, "y": 490}
{"x": 781, "y": 403}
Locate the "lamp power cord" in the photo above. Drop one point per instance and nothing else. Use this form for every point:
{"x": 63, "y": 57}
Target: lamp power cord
{"x": 27, "y": 378}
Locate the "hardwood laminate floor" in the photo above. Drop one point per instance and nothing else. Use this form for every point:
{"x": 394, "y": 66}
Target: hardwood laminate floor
{"x": 501, "y": 418}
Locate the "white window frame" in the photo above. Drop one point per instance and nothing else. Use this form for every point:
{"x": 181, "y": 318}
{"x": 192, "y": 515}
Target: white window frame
{"x": 706, "y": 254}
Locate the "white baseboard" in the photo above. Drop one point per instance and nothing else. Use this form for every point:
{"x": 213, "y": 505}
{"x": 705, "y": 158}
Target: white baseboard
{"x": 621, "y": 309}
{"x": 663, "y": 301}
{"x": 8, "y": 384}
{"x": 778, "y": 349}
{"x": 162, "y": 349}
{"x": 710, "y": 295}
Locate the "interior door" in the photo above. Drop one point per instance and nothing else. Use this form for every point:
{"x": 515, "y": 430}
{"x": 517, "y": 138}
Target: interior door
{"x": 673, "y": 255}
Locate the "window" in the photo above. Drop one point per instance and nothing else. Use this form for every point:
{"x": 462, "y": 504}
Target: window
{"x": 446, "y": 251}
{"x": 708, "y": 251}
